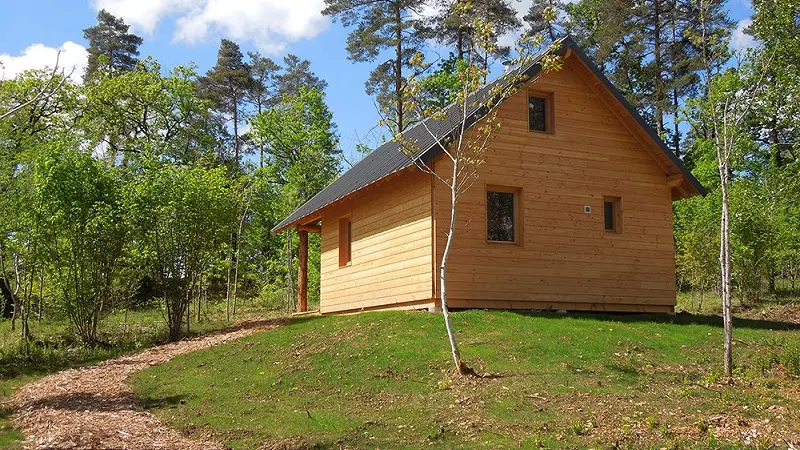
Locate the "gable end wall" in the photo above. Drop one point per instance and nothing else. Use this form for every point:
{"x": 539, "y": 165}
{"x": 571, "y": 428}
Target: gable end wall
{"x": 566, "y": 259}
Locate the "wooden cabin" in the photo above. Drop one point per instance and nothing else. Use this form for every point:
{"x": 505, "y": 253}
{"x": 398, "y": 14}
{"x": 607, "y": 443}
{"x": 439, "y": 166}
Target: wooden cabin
{"x": 571, "y": 210}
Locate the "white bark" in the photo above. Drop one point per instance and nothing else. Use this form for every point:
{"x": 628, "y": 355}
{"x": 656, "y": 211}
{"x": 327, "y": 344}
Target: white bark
{"x": 443, "y": 271}
{"x": 725, "y": 266}
{"x": 238, "y": 250}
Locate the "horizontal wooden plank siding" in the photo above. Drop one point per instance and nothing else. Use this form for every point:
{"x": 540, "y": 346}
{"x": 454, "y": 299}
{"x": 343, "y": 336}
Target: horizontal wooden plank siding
{"x": 392, "y": 248}
{"x": 566, "y": 260}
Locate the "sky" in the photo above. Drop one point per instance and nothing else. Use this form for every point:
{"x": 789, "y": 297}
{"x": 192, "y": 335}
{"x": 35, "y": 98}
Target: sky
{"x": 183, "y": 31}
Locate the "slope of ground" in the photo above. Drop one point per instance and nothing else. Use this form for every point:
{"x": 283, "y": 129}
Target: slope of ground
{"x": 383, "y": 380}
{"x": 93, "y": 407}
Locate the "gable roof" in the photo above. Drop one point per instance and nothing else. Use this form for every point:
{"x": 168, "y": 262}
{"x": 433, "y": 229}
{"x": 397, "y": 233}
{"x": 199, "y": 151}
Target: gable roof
{"x": 389, "y": 158}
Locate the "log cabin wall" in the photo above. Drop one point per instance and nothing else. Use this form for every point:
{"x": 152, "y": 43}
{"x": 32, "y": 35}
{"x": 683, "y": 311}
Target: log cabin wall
{"x": 564, "y": 257}
{"x": 391, "y": 247}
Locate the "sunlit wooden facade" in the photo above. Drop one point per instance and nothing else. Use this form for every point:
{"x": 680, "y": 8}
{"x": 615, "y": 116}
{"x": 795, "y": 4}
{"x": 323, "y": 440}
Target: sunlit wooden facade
{"x": 585, "y": 197}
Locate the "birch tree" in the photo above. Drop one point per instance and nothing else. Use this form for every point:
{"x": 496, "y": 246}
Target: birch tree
{"x": 730, "y": 101}
{"x": 464, "y": 147}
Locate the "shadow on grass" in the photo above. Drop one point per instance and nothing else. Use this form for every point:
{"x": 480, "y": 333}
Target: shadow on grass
{"x": 682, "y": 318}
{"x": 161, "y": 402}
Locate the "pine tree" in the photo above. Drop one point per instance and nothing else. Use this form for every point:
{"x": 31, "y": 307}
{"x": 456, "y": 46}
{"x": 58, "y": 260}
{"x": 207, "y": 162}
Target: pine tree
{"x": 112, "y": 49}
{"x": 537, "y": 23}
{"x": 296, "y": 75}
{"x": 382, "y": 25}
{"x": 227, "y": 85}
{"x": 650, "y": 51}
{"x": 264, "y": 92}
{"x": 265, "y": 75}
{"x": 709, "y": 30}
{"x": 454, "y": 25}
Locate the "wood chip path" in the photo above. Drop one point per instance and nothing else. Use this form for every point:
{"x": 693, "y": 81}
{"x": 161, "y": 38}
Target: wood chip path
{"x": 94, "y": 408}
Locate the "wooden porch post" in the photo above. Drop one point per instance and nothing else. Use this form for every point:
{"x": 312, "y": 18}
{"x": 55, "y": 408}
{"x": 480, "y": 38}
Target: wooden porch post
{"x": 302, "y": 276}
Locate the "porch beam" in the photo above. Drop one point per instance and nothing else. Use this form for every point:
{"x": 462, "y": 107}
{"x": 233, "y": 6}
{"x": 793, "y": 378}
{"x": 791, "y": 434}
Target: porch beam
{"x": 302, "y": 276}
{"x": 310, "y": 228}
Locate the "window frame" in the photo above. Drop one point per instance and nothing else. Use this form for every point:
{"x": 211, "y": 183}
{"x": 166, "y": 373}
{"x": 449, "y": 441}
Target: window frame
{"x": 518, "y": 222}
{"x": 345, "y": 241}
{"x": 617, "y": 214}
{"x": 549, "y": 116}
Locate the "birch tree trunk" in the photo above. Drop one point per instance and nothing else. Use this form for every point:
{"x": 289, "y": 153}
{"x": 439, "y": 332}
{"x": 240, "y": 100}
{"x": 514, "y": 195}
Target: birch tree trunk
{"x": 443, "y": 283}
{"x": 725, "y": 266}
{"x": 462, "y": 368}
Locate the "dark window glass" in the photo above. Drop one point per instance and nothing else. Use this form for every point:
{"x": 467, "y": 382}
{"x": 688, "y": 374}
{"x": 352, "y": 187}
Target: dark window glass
{"x": 608, "y": 213}
{"x": 500, "y": 216}
{"x": 537, "y": 113}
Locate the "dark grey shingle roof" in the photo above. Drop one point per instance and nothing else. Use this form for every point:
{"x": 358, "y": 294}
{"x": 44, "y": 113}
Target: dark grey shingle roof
{"x": 389, "y": 157}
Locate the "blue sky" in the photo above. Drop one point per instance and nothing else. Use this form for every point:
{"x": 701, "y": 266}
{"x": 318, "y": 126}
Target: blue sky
{"x": 183, "y": 31}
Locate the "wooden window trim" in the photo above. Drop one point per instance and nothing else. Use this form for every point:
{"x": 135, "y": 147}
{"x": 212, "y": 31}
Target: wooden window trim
{"x": 550, "y": 117}
{"x": 618, "y": 214}
{"x": 345, "y": 241}
{"x": 518, "y": 215}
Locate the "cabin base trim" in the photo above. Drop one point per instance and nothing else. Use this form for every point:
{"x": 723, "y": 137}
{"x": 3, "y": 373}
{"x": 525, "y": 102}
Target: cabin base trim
{"x": 415, "y": 304}
{"x": 555, "y": 306}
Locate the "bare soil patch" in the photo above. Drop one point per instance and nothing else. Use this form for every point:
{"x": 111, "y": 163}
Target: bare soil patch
{"x": 93, "y": 407}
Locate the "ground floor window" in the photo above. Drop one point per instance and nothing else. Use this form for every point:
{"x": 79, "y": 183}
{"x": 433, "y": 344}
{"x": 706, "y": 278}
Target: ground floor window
{"x": 502, "y": 214}
{"x": 345, "y": 241}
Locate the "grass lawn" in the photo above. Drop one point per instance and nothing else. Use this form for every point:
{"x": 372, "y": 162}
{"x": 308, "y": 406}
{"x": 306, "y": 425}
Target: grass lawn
{"x": 382, "y": 380}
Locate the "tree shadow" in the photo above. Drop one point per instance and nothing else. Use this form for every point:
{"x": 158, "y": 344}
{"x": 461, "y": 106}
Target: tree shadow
{"x": 682, "y": 318}
{"x": 85, "y": 401}
{"x": 161, "y": 402}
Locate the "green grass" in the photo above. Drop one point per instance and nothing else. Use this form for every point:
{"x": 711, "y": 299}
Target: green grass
{"x": 382, "y": 380}
{"x": 54, "y": 347}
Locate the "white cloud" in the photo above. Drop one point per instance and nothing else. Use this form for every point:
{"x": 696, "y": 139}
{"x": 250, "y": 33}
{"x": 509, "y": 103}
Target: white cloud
{"x": 269, "y": 24}
{"x": 39, "y": 56}
{"x": 740, "y": 40}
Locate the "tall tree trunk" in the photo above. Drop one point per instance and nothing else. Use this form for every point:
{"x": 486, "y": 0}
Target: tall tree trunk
{"x": 289, "y": 276}
{"x": 228, "y": 282}
{"x": 676, "y": 139}
{"x": 199, "y": 298}
{"x": 41, "y": 293}
{"x": 456, "y": 353}
{"x": 261, "y": 143}
{"x": 460, "y": 41}
{"x": 238, "y": 251}
{"x": 236, "y": 131}
{"x": 725, "y": 266}
{"x": 398, "y": 66}
{"x": 657, "y": 58}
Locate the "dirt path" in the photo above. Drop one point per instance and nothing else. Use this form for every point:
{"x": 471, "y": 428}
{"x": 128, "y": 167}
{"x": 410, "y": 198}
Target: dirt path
{"x": 93, "y": 407}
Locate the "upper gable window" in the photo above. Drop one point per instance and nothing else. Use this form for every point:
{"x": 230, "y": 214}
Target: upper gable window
{"x": 612, "y": 214}
{"x": 540, "y": 113}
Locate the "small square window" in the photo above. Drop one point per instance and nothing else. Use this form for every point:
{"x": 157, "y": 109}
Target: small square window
{"x": 540, "y": 113}
{"x": 612, "y": 214}
{"x": 345, "y": 241}
{"x": 502, "y": 214}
